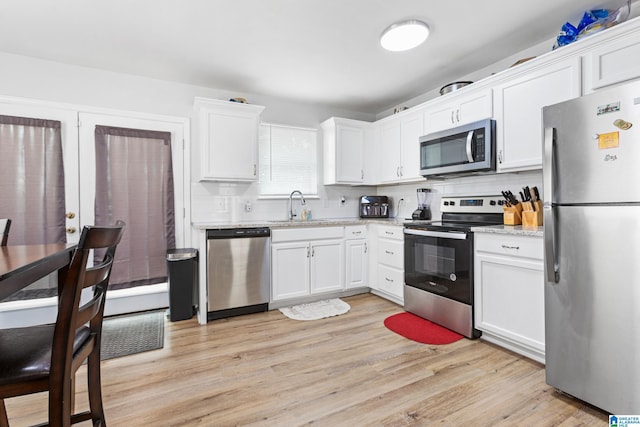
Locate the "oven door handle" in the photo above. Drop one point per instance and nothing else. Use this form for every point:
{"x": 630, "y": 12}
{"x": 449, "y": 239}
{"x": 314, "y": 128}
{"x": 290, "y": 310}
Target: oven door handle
{"x": 442, "y": 234}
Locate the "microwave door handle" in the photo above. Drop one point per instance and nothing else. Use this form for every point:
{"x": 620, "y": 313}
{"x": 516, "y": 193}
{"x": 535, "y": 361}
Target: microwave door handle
{"x": 469, "y": 150}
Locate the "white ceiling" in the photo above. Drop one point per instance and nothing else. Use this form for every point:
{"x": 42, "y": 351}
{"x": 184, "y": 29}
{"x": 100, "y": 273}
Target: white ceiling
{"x": 318, "y": 51}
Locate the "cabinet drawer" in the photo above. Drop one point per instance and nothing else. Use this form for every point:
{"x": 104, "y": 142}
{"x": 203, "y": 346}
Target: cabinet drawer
{"x": 390, "y": 280}
{"x": 355, "y": 231}
{"x": 391, "y": 253}
{"x": 504, "y": 244}
{"x": 390, "y": 232}
{"x": 306, "y": 233}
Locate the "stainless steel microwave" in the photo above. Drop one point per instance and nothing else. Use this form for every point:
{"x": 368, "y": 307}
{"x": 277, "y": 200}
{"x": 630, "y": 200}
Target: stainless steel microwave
{"x": 463, "y": 149}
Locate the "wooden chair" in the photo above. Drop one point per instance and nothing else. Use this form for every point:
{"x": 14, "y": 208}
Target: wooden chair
{"x": 46, "y": 357}
{"x": 5, "y": 225}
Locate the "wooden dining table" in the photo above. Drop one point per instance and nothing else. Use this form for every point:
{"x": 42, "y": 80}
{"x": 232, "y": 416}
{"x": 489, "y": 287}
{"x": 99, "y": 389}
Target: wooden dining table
{"x": 22, "y": 265}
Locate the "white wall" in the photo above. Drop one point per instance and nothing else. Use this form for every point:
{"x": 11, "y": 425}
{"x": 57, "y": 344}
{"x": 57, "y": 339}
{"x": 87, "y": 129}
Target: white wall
{"x": 49, "y": 81}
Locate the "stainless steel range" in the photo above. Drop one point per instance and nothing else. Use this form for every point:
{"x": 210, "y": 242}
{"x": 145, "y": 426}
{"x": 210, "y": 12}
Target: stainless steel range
{"x": 438, "y": 261}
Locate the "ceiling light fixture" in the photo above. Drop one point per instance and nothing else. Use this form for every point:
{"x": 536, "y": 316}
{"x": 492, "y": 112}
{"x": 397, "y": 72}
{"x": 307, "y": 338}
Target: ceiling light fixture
{"x": 404, "y": 35}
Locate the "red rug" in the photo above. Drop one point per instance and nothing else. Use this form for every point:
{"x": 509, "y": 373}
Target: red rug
{"x": 420, "y": 330}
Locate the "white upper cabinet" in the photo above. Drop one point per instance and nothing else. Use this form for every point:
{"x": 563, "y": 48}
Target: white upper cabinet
{"x": 344, "y": 150}
{"x": 398, "y": 147}
{"x": 457, "y": 109}
{"x": 518, "y": 102}
{"x": 228, "y": 139}
{"x": 611, "y": 63}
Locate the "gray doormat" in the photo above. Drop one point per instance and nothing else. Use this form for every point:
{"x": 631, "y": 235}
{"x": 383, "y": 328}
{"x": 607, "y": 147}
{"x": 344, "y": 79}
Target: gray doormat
{"x": 132, "y": 333}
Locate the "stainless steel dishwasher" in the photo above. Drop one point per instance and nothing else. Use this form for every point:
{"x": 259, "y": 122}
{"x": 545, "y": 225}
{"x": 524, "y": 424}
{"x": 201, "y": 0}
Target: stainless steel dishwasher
{"x": 238, "y": 271}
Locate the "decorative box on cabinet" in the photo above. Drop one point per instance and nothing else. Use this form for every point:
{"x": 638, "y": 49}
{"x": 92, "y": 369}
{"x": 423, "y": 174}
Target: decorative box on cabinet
{"x": 344, "y": 150}
{"x": 306, "y": 261}
{"x": 509, "y": 292}
{"x": 518, "y": 110}
{"x": 228, "y": 140}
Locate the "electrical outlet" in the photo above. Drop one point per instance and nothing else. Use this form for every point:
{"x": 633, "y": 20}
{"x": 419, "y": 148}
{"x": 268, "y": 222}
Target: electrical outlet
{"x": 247, "y": 206}
{"x": 220, "y": 204}
{"x": 343, "y": 201}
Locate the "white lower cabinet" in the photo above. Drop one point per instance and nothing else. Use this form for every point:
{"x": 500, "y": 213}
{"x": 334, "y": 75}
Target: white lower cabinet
{"x": 306, "y": 261}
{"x": 509, "y": 292}
{"x": 389, "y": 262}
{"x": 357, "y": 257}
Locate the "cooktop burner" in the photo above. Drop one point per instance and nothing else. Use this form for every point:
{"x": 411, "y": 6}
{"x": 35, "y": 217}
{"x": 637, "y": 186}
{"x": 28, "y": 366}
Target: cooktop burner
{"x": 462, "y": 213}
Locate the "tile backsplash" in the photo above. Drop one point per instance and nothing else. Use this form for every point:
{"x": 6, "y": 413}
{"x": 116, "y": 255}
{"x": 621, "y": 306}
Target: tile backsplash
{"x": 219, "y": 201}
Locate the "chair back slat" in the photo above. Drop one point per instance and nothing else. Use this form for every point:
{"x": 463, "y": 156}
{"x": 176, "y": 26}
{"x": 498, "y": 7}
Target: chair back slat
{"x": 99, "y": 273}
{"x": 5, "y": 225}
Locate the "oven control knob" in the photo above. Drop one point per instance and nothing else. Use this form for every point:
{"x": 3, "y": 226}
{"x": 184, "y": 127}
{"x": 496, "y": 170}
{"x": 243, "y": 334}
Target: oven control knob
{"x": 452, "y": 203}
{"x": 500, "y": 202}
{"x": 492, "y": 202}
{"x": 446, "y": 203}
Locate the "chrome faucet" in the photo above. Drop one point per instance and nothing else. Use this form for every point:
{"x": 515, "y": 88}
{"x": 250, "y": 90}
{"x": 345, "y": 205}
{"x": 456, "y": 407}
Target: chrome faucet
{"x": 292, "y": 213}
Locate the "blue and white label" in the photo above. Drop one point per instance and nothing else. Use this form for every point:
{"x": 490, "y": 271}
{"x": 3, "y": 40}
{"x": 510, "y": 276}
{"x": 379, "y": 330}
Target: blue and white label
{"x": 624, "y": 420}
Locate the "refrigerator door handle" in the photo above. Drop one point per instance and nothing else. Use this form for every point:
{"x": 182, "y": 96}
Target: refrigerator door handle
{"x": 551, "y": 265}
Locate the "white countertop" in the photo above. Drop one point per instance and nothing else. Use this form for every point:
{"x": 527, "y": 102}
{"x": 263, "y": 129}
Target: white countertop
{"x": 204, "y": 225}
{"x": 517, "y": 230}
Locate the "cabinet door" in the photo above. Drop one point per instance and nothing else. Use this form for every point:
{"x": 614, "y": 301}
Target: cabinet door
{"x": 458, "y": 110}
{"x": 327, "y": 266}
{"x": 389, "y": 150}
{"x": 612, "y": 63}
{"x": 349, "y": 156}
{"x": 411, "y": 129}
{"x": 290, "y": 270}
{"x": 509, "y": 299}
{"x": 228, "y": 137}
{"x": 391, "y": 281}
{"x": 357, "y": 263}
{"x": 519, "y": 105}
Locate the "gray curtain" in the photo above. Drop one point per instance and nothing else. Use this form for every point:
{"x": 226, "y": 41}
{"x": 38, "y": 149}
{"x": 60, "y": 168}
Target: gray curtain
{"x": 32, "y": 180}
{"x": 134, "y": 183}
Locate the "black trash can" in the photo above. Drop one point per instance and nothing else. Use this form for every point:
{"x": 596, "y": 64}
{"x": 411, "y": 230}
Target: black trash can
{"x": 182, "y": 272}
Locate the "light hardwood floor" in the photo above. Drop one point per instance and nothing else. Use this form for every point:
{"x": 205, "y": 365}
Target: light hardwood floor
{"x": 267, "y": 370}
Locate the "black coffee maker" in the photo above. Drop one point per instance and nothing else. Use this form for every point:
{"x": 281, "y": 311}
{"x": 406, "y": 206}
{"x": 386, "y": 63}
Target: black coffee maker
{"x": 424, "y": 200}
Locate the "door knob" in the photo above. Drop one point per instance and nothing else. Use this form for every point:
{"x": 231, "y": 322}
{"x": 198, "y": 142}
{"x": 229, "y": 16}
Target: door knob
{"x": 71, "y": 230}
{"x": 70, "y": 215}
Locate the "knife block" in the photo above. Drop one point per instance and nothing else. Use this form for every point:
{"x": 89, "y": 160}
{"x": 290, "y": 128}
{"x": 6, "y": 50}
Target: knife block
{"x": 512, "y": 214}
{"x": 532, "y": 218}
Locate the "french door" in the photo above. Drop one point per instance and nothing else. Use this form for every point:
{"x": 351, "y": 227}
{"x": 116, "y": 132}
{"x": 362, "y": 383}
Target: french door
{"x": 78, "y": 145}
{"x": 69, "y": 133}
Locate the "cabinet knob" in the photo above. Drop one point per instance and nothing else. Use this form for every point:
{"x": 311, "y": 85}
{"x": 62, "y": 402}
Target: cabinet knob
{"x": 452, "y": 121}
{"x": 458, "y": 115}
{"x": 500, "y": 156}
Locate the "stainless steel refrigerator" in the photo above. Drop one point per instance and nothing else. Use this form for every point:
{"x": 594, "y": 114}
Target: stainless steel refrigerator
{"x": 591, "y": 175}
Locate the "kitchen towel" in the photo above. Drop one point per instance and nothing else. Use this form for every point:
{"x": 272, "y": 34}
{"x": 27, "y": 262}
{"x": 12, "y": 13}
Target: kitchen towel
{"x": 316, "y": 310}
{"x": 420, "y": 330}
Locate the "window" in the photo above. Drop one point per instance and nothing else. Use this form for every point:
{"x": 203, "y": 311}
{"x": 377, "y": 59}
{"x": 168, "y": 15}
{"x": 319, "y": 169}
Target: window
{"x": 288, "y": 160}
